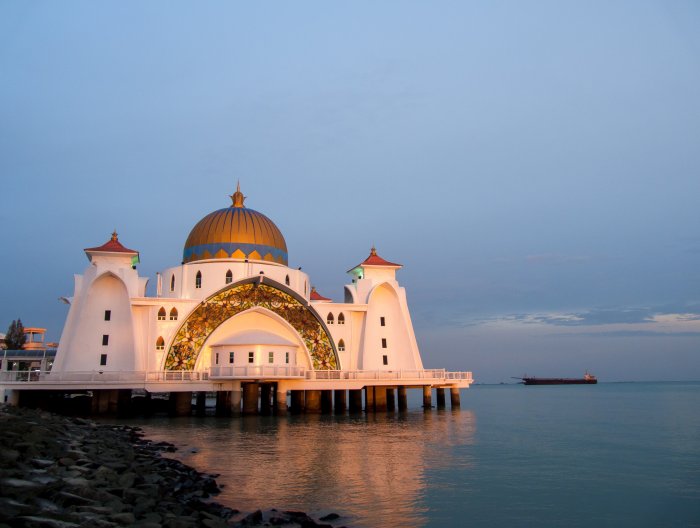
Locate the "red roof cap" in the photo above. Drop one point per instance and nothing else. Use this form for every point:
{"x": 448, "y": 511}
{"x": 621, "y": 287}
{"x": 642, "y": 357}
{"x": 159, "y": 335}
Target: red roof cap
{"x": 376, "y": 260}
{"x": 113, "y": 246}
{"x": 315, "y": 296}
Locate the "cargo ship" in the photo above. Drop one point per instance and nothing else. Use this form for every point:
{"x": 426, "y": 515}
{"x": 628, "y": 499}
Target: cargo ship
{"x": 588, "y": 379}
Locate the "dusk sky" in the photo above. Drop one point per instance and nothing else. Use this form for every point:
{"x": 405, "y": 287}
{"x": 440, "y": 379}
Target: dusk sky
{"x": 535, "y": 166}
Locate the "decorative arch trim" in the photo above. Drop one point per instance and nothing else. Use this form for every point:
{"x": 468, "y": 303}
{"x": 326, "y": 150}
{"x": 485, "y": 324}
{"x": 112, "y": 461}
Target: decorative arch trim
{"x": 239, "y": 297}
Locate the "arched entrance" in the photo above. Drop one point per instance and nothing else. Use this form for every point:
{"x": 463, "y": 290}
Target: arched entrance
{"x": 239, "y": 297}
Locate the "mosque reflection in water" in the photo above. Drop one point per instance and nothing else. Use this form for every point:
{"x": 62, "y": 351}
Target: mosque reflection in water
{"x": 373, "y": 470}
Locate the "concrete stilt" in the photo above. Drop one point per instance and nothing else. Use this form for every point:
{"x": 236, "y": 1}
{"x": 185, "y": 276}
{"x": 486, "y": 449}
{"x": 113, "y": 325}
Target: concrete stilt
{"x": 100, "y": 401}
{"x": 223, "y": 403}
{"x": 265, "y": 404}
{"x": 369, "y": 399}
{"x": 380, "y": 399}
{"x": 148, "y": 404}
{"x": 339, "y": 401}
{"x": 440, "y": 393}
{"x": 281, "y": 399}
{"x": 313, "y": 402}
{"x": 124, "y": 402}
{"x": 355, "y": 400}
{"x": 327, "y": 401}
{"x": 454, "y": 397}
{"x": 113, "y": 401}
{"x": 250, "y": 398}
{"x": 403, "y": 401}
{"x": 390, "y": 399}
{"x": 181, "y": 403}
{"x": 201, "y": 405}
{"x": 427, "y": 398}
{"x": 297, "y": 406}
{"x": 234, "y": 400}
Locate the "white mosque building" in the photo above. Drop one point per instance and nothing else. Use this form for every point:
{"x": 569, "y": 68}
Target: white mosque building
{"x": 233, "y": 316}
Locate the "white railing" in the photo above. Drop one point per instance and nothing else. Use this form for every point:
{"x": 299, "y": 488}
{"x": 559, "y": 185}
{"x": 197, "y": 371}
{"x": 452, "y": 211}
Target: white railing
{"x": 233, "y": 372}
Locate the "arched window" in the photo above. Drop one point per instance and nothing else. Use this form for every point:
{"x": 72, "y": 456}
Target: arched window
{"x": 173, "y": 314}
{"x": 329, "y": 319}
{"x": 341, "y": 346}
{"x": 341, "y": 319}
{"x": 229, "y": 277}
{"x": 161, "y": 314}
{"x": 172, "y": 282}
{"x": 286, "y": 280}
{"x": 160, "y": 343}
{"x": 198, "y": 280}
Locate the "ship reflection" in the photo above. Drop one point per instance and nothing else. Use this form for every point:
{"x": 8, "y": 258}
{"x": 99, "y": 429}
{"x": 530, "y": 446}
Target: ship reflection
{"x": 374, "y": 469}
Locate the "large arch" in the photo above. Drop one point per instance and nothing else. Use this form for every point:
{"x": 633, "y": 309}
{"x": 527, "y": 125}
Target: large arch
{"x": 239, "y": 297}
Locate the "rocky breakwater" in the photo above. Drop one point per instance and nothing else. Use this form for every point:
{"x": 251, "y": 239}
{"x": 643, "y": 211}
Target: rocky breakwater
{"x": 68, "y": 472}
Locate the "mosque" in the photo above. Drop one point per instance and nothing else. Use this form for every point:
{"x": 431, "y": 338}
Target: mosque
{"x": 234, "y": 318}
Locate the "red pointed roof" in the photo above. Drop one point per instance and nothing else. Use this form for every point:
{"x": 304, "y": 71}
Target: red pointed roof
{"x": 112, "y": 246}
{"x": 315, "y": 296}
{"x": 375, "y": 260}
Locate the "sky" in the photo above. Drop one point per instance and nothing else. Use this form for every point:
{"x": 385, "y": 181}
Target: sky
{"x": 535, "y": 166}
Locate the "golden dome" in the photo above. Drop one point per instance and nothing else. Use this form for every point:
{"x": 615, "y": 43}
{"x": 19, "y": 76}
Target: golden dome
{"x": 236, "y": 232}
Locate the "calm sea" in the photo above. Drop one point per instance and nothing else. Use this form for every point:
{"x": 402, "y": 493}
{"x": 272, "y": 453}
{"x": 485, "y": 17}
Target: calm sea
{"x": 612, "y": 454}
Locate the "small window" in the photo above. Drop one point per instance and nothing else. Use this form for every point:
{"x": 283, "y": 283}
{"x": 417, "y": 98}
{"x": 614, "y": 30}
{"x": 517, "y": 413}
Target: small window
{"x": 286, "y": 280}
{"x": 105, "y": 340}
{"x": 108, "y": 315}
{"x": 251, "y": 357}
{"x": 229, "y": 277}
{"x": 172, "y": 283}
{"x": 161, "y": 314}
{"x": 341, "y": 346}
{"x": 217, "y": 358}
{"x": 173, "y": 314}
{"x": 341, "y": 319}
{"x": 198, "y": 280}
{"x": 383, "y": 342}
{"x": 329, "y": 319}
{"x": 382, "y": 321}
{"x": 230, "y": 357}
{"x": 103, "y": 359}
{"x": 286, "y": 357}
{"x": 270, "y": 357}
{"x": 160, "y": 343}
{"x": 385, "y": 359}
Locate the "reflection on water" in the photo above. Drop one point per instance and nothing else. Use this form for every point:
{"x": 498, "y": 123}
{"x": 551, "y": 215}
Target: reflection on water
{"x": 369, "y": 468}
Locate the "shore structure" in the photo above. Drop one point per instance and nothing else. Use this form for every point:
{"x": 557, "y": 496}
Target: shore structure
{"x": 234, "y": 319}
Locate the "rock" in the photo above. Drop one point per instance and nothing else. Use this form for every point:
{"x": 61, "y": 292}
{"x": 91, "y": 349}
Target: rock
{"x": 330, "y": 517}
{"x": 125, "y": 519}
{"x": 34, "y": 521}
{"x": 252, "y": 519}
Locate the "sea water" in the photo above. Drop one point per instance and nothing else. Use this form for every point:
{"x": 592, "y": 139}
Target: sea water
{"x": 612, "y": 454}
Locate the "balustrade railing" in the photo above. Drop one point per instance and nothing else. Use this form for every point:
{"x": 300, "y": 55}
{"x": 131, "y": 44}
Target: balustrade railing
{"x": 231, "y": 372}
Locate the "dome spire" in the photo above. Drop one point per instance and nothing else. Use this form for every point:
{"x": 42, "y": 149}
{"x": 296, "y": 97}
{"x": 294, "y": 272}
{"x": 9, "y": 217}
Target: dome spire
{"x": 237, "y": 198}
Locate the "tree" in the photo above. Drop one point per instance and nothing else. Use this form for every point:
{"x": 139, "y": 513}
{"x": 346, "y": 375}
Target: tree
{"x": 15, "y": 335}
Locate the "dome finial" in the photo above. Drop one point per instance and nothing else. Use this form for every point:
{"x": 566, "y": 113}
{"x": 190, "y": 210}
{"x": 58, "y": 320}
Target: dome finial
{"x": 237, "y": 198}
{"x": 115, "y": 237}
{"x": 373, "y": 251}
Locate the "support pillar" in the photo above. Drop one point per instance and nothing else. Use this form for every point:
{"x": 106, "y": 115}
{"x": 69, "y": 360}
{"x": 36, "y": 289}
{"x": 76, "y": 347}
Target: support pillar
{"x": 355, "y": 400}
{"x": 148, "y": 404}
{"x": 380, "y": 399}
{"x": 440, "y": 393}
{"x": 297, "y": 401}
{"x": 427, "y": 398}
{"x": 181, "y": 403}
{"x": 339, "y": 401}
{"x": 369, "y": 399}
{"x": 454, "y": 397}
{"x": 265, "y": 405}
{"x": 327, "y": 401}
{"x": 281, "y": 399}
{"x": 113, "y": 401}
{"x": 201, "y": 405}
{"x": 313, "y": 401}
{"x": 223, "y": 403}
{"x": 124, "y": 403}
{"x": 403, "y": 401}
{"x": 234, "y": 400}
{"x": 390, "y": 400}
{"x": 250, "y": 398}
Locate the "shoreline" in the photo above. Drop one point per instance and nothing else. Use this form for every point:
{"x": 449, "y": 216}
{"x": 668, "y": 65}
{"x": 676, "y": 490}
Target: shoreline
{"x": 64, "y": 472}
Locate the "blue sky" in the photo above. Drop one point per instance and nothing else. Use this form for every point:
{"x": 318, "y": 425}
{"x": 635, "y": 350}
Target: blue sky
{"x": 534, "y": 165}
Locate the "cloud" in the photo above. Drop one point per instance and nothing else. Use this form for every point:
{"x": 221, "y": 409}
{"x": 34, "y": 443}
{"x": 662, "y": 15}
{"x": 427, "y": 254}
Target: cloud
{"x": 627, "y": 333}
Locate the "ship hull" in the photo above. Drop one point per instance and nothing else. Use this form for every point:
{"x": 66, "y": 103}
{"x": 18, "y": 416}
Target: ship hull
{"x": 559, "y": 381}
